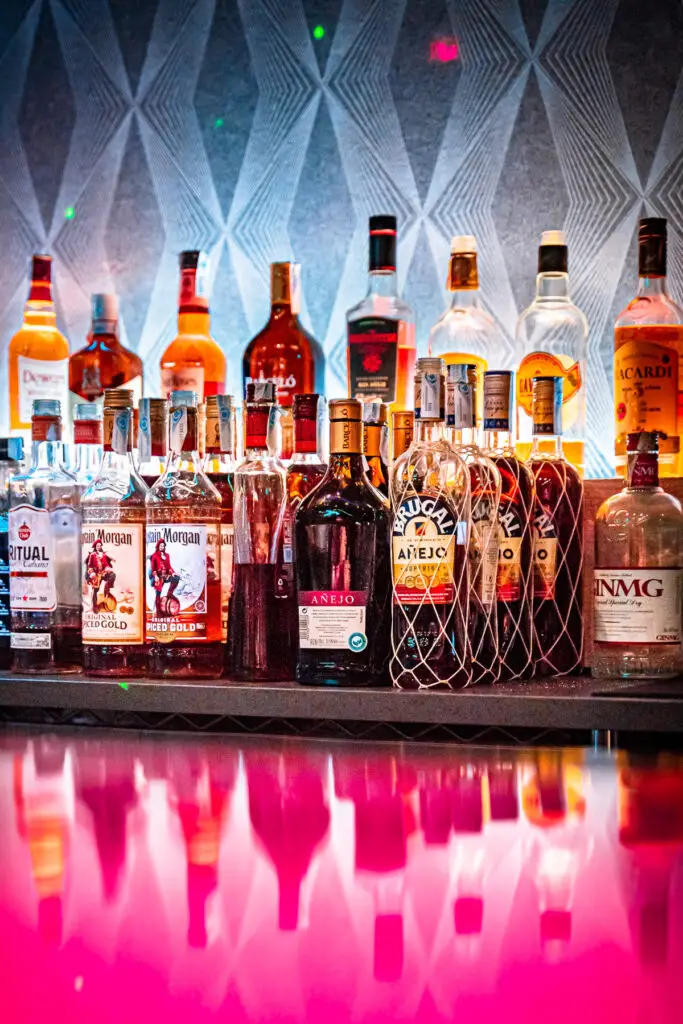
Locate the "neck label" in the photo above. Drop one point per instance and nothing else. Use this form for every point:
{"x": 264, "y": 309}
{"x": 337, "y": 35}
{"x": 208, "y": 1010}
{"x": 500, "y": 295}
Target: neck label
{"x": 643, "y": 469}
{"x": 373, "y": 358}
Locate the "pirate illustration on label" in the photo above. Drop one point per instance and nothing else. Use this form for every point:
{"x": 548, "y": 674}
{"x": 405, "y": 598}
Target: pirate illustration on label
{"x": 162, "y": 573}
{"x": 99, "y": 570}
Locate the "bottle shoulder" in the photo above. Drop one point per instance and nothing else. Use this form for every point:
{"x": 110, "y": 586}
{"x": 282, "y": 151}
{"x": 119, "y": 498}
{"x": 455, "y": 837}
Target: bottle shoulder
{"x": 183, "y": 487}
{"x": 52, "y": 344}
{"x": 383, "y": 307}
{"x": 461, "y": 326}
{"x": 633, "y": 506}
{"x": 655, "y": 310}
{"x": 553, "y": 324}
{"x": 347, "y": 498}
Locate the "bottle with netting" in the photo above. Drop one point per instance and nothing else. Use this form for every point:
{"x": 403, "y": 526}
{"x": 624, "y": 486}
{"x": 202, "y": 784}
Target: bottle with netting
{"x": 430, "y": 499}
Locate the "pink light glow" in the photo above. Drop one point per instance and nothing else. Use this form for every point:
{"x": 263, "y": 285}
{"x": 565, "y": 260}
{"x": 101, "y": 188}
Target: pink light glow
{"x": 444, "y": 50}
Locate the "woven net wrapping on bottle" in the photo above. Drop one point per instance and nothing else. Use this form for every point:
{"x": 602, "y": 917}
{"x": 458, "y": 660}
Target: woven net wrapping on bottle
{"x": 430, "y": 640}
{"x": 515, "y": 644}
{"x": 485, "y": 483}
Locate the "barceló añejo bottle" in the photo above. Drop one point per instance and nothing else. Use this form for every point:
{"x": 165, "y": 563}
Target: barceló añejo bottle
{"x": 342, "y": 566}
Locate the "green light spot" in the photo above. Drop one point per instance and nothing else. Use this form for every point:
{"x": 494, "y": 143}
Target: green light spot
{"x": 219, "y": 122}
{"x": 69, "y": 213}
{"x": 124, "y": 686}
{"x": 318, "y": 32}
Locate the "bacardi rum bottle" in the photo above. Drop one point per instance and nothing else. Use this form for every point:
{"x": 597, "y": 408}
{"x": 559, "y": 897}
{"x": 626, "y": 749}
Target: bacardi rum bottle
{"x": 485, "y": 486}
{"x": 113, "y": 552}
{"x": 258, "y": 645}
{"x": 152, "y": 439}
{"x": 376, "y": 445}
{"x": 183, "y": 620}
{"x": 45, "y": 554}
{"x": 381, "y": 328}
{"x": 193, "y": 361}
{"x": 514, "y": 584}
{"x": 639, "y": 573}
{"x": 342, "y": 566}
{"x": 430, "y": 499}
{"x": 87, "y": 449}
{"x": 648, "y": 357}
{"x": 38, "y": 353}
{"x": 104, "y": 362}
{"x": 219, "y": 466}
{"x": 11, "y": 457}
{"x": 558, "y": 538}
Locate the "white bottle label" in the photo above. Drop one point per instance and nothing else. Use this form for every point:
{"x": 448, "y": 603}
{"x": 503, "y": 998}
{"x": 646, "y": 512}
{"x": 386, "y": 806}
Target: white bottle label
{"x": 31, "y": 559}
{"x": 42, "y": 378}
{"x": 31, "y": 641}
{"x": 181, "y": 560}
{"x": 113, "y": 583}
{"x": 638, "y": 606}
{"x": 227, "y": 539}
{"x": 332, "y": 620}
{"x": 177, "y": 429}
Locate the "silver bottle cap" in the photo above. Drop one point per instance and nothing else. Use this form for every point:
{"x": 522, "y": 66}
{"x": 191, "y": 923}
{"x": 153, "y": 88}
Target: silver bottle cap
{"x": 46, "y": 407}
{"x": 87, "y": 411}
{"x": 183, "y": 400}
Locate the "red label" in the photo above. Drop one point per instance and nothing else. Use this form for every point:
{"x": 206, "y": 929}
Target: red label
{"x": 46, "y": 428}
{"x": 373, "y": 355}
{"x": 305, "y": 435}
{"x": 88, "y": 432}
{"x": 645, "y": 470}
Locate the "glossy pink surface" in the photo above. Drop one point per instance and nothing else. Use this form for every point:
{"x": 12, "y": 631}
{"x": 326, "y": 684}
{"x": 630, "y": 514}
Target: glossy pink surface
{"x": 166, "y": 880}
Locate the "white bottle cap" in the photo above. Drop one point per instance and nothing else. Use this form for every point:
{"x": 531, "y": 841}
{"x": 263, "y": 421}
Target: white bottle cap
{"x": 553, "y": 238}
{"x": 463, "y": 243}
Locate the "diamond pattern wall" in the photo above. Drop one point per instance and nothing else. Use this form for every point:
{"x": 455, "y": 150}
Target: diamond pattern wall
{"x": 235, "y": 126}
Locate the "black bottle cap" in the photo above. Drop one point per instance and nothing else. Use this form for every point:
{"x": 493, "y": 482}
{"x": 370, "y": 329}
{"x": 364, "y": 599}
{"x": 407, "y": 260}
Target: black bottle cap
{"x": 552, "y": 253}
{"x": 383, "y": 242}
{"x": 41, "y": 268}
{"x": 189, "y": 260}
{"x": 383, "y": 222}
{"x": 652, "y": 247}
{"x": 11, "y": 449}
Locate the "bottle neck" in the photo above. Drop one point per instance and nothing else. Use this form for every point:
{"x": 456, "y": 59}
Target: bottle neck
{"x": 183, "y": 462}
{"x": 642, "y": 471}
{"x": 498, "y": 441}
{"x": 383, "y": 282}
{"x": 219, "y": 462}
{"x": 194, "y": 322}
{"x": 429, "y": 431}
{"x": 547, "y": 446}
{"x": 88, "y": 458}
{"x": 465, "y": 436}
{"x": 39, "y": 313}
{"x": 117, "y": 464}
{"x": 346, "y": 466}
{"x": 104, "y": 334}
{"x": 653, "y": 286}
{"x": 552, "y": 286}
{"x": 305, "y": 440}
{"x": 47, "y": 455}
{"x": 465, "y": 298}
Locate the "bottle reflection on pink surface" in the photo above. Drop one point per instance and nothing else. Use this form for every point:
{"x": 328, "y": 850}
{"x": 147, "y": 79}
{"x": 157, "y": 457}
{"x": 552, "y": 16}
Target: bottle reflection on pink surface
{"x": 435, "y": 806}
{"x": 290, "y": 816}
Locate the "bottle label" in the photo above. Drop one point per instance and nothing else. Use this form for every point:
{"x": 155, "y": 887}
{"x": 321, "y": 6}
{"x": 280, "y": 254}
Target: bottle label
{"x": 510, "y": 532}
{"x": 545, "y": 556}
{"x": 4, "y": 576}
{"x": 332, "y": 620}
{"x": 31, "y": 558}
{"x": 118, "y": 430}
{"x": 177, "y": 429}
{"x": 643, "y": 469}
{"x": 425, "y": 533}
{"x": 183, "y": 378}
{"x": 373, "y": 358}
{"x": 646, "y": 383}
{"x": 497, "y": 402}
{"x": 181, "y": 560}
{"x": 484, "y": 567}
{"x": 547, "y": 364}
{"x": 42, "y": 378}
{"x": 227, "y": 547}
{"x": 460, "y": 405}
{"x": 31, "y": 641}
{"x": 429, "y": 396}
{"x": 638, "y": 606}
{"x": 113, "y": 583}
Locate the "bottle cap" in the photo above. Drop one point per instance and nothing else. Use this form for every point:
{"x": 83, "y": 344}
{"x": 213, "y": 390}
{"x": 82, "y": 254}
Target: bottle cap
{"x": 552, "y": 253}
{"x": 643, "y": 441}
{"x": 105, "y": 307}
{"x": 383, "y": 222}
{"x": 46, "y": 407}
{"x": 498, "y": 391}
{"x": 382, "y": 251}
{"x": 190, "y": 259}
{"x": 118, "y": 398}
{"x": 41, "y": 268}
{"x": 87, "y": 411}
{"x": 546, "y": 405}
{"x": 345, "y": 426}
{"x": 375, "y": 412}
{"x": 183, "y": 400}
{"x": 462, "y": 373}
{"x": 11, "y": 449}
{"x": 346, "y": 409}
{"x": 261, "y": 391}
{"x": 463, "y": 243}
{"x": 285, "y": 285}
{"x": 306, "y": 407}
{"x": 460, "y": 390}
{"x": 429, "y": 364}
{"x": 402, "y": 430}
{"x": 652, "y": 247}
{"x": 462, "y": 268}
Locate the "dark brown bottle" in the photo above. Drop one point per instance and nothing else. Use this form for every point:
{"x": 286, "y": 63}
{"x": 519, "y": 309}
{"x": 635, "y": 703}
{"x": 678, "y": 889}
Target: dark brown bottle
{"x": 342, "y": 567}
{"x": 376, "y": 445}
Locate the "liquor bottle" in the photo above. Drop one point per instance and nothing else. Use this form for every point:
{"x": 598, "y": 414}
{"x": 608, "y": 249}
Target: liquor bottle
{"x": 638, "y": 583}
{"x": 514, "y": 583}
{"x": 552, "y": 339}
{"x": 104, "y": 363}
{"x": 87, "y": 443}
{"x": 11, "y": 457}
{"x": 113, "y": 552}
{"x": 257, "y": 646}
{"x": 38, "y": 353}
{"x": 376, "y": 445}
{"x": 430, "y": 499}
{"x": 45, "y": 554}
{"x": 342, "y": 531}
{"x": 558, "y": 539}
{"x": 183, "y": 618}
{"x": 381, "y": 348}
{"x": 485, "y": 488}
{"x": 152, "y": 439}
{"x": 219, "y": 466}
{"x": 466, "y": 333}
{"x": 283, "y": 351}
{"x": 193, "y": 361}
{"x": 402, "y": 432}
{"x": 648, "y": 357}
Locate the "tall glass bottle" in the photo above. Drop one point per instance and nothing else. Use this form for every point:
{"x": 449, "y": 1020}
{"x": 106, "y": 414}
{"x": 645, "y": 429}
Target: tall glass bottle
{"x": 558, "y": 539}
{"x": 257, "y": 643}
{"x": 342, "y": 566}
{"x": 11, "y": 457}
{"x": 104, "y": 362}
{"x": 152, "y": 439}
{"x": 648, "y": 357}
{"x": 430, "y": 500}
{"x": 87, "y": 449}
{"x": 514, "y": 584}
{"x": 219, "y": 466}
{"x": 45, "y": 554}
{"x": 283, "y": 352}
{"x": 552, "y": 340}
{"x": 193, "y": 361}
{"x": 183, "y": 619}
{"x": 485, "y": 488}
{"x": 638, "y": 582}
{"x": 466, "y": 333}
{"x": 113, "y": 552}
{"x": 381, "y": 328}
{"x": 376, "y": 445}
{"x": 38, "y": 353}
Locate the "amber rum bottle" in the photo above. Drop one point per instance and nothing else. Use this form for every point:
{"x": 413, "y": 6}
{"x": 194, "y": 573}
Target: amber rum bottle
{"x": 152, "y": 439}
{"x": 113, "y": 552}
{"x": 104, "y": 362}
{"x": 183, "y": 620}
{"x": 381, "y": 328}
{"x": 648, "y": 357}
{"x": 284, "y": 352}
{"x": 558, "y": 539}
{"x": 219, "y": 466}
{"x": 38, "y": 353}
{"x": 193, "y": 361}
{"x": 342, "y": 566}
{"x": 376, "y": 445}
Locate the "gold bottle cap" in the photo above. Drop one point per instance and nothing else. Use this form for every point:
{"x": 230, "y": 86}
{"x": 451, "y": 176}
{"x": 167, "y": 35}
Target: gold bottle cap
{"x": 285, "y": 285}
{"x": 345, "y": 426}
{"x": 498, "y": 391}
{"x": 118, "y": 398}
{"x": 402, "y": 431}
{"x": 462, "y": 271}
{"x": 546, "y": 405}
{"x": 346, "y": 409}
